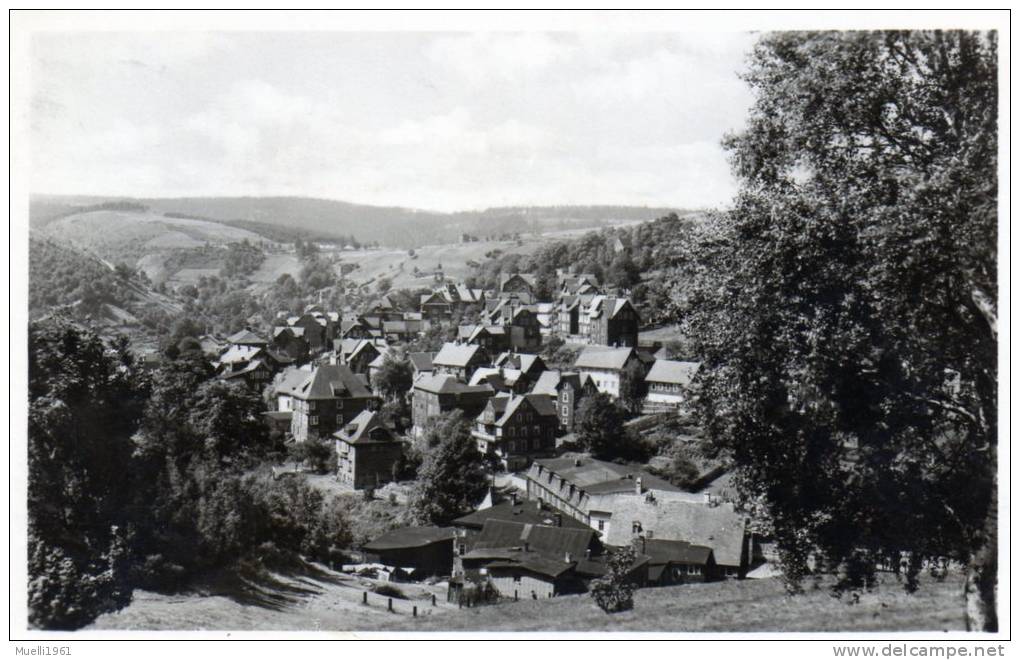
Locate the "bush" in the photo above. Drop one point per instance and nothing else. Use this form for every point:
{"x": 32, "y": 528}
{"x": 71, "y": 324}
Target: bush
{"x": 389, "y": 591}
{"x": 615, "y": 591}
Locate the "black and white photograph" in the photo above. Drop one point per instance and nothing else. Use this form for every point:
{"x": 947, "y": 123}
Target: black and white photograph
{"x": 524, "y": 325}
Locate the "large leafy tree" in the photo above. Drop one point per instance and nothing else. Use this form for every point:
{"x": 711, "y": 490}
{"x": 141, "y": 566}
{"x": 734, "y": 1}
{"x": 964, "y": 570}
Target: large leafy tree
{"x": 85, "y": 402}
{"x": 451, "y": 479}
{"x": 599, "y": 426}
{"x": 847, "y": 313}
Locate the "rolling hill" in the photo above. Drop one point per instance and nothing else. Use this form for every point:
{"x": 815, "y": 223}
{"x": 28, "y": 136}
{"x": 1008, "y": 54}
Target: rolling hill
{"x": 278, "y": 218}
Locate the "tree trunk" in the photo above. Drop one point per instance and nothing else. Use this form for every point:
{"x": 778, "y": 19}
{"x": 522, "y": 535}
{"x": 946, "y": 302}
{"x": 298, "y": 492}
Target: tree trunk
{"x": 983, "y": 574}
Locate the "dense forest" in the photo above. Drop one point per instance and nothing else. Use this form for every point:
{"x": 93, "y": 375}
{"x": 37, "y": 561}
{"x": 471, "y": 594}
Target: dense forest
{"x": 637, "y": 266}
{"x": 60, "y": 275}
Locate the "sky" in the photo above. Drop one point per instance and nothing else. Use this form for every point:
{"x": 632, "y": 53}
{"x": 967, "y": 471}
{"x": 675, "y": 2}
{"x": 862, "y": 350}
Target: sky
{"x": 439, "y": 121}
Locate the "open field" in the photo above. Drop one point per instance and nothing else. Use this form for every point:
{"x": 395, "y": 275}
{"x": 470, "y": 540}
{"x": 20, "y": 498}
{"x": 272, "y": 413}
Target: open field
{"x": 329, "y": 601}
{"x": 119, "y": 235}
{"x": 318, "y": 600}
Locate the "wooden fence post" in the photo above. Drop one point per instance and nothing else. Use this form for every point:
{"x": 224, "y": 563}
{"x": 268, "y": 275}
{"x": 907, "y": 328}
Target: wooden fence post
{"x": 389, "y": 604}
{"x": 364, "y": 598}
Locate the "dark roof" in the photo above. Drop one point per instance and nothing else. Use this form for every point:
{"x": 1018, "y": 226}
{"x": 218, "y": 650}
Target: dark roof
{"x": 421, "y": 361}
{"x": 521, "y": 512}
{"x": 547, "y": 540}
{"x": 332, "y": 381}
{"x": 409, "y": 537}
{"x": 280, "y": 415}
{"x": 662, "y": 551}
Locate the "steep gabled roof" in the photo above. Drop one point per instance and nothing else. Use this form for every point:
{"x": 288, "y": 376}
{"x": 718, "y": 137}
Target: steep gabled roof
{"x": 332, "y": 381}
{"x": 421, "y": 361}
{"x": 358, "y": 431}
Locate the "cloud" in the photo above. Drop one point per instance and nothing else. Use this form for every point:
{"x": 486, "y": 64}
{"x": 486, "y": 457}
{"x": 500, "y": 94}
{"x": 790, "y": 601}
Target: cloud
{"x": 428, "y": 121}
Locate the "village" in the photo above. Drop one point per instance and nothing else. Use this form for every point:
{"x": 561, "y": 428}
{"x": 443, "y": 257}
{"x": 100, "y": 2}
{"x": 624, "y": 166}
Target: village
{"x": 553, "y": 513}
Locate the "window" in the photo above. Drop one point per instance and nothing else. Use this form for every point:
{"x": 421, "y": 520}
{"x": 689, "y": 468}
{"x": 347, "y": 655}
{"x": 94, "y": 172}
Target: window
{"x": 602, "y": 525}
{"x": 313, "y": 420}
{"x": 339, "y": 420}
{"x": 339, "y": 404}
{"x": 311, "y": 405}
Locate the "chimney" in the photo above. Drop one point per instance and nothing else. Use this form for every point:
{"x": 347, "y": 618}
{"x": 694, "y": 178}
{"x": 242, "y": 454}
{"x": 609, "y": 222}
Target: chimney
{"x": 513, "y": 498}
{"x": 587, "y": 553}
{"x": 538, "y": 505}
{"x": 577, "y": 462}
{"x": 642, "y": 544}
{"x": 637, "y": 486}
{"x": 526, "y": 548}
{"x": 567, "y": 558}
{"x": 559, "y": 519}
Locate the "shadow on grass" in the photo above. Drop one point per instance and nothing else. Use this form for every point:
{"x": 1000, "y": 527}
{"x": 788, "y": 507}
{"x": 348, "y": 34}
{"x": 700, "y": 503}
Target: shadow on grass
{"x": 273, "y": 587}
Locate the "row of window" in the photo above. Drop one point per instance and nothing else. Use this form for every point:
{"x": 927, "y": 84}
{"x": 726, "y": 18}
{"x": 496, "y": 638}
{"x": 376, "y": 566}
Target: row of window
{"x": 314, "y": 420}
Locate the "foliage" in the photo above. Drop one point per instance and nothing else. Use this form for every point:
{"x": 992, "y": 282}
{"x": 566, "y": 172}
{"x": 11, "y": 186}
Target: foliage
{"x": 845, "y": 311}
{"x": 242, "y": 259}
{"x": 632, "y": 387}
{"x": 614, "y": 592}
{"x": 316, "y": 454}
{"x": 451, "y": 479}
{"x": 60, "y": 275}
{"x": 394, "y": 378}
{"x": 85, "y": 402}
{"x": 599, "y": 427}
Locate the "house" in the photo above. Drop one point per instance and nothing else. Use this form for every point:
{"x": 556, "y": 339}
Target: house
{"x": 356, "y": 353}
{"x": 329, "y": 398}
{"x": 572, "y": 316}
{"x": 314, "y": 328}
{"x": 426, "y": 551}
{"x": 669, "y": 381}
{"x": 531, "y": 366}
{"x": 367, "y": 452}
{"x": 613, "y": 322}
{"x": 246, "y": 338}
{"x": 211, "y": 345}
{"x": 524, "y": 560}
{"x": 401, "y": 330}
{"x": 586, "y": 488}
{"x": 421, "y": 363}
{"x": 493, "y": 338}
{"x": 286, "y": 382}
{"x": 566, "y": 389}
{"x": 459, "y": 360}
{"x": 525, "y": 329}
{"x": 254, "y": 374}
{"x": 517, "y": 283}
{"x": 582, "y": 283}
{"x": 290, "y": 342}
{"x": 674, "y": 562}
{"x": 513, "y": 509}
{"x": 546, "y": 313}
{"x": 435, "y": 306}
{"x": 434, "y": 395}
{"x": 719, "y": 527}
{"x": 516, "y": 428}
{"x": 606, "y": 366}
{"x": 353, "y": 329}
